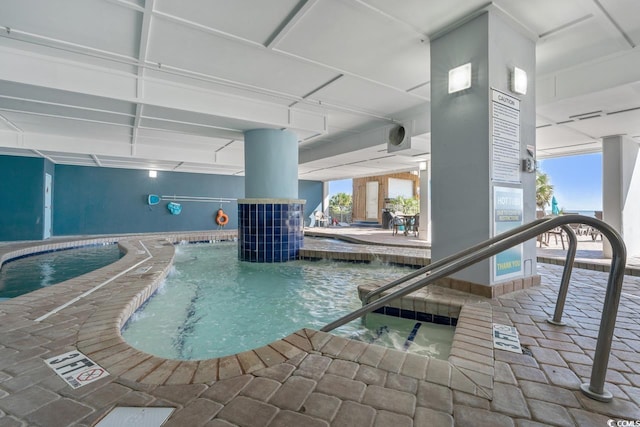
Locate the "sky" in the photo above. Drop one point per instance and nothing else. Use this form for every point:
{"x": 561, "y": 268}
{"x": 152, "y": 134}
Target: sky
{"x": 576, "y": 180}
{"x": 340, "y": 186}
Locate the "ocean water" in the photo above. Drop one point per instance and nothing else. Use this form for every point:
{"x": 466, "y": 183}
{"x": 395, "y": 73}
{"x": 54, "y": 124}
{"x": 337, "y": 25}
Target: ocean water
{"x": 579, "y": 212}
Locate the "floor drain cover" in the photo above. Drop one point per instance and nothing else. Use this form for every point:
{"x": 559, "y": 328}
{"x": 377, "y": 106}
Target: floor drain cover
{"x": 526, "y": 351}
{"x": 135, "y": 417}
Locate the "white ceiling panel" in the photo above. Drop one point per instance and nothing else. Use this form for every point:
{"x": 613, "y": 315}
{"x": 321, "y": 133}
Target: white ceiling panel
{"x": 625, "y": 14}
{"x": 218, "y": 85}
{"x": 248, "y": 19}
{"x": 191, "y": 49}
{"x": 365, "y": 96}
{"x": 79, "y": 22}
{"x": 114, "y": 161}
{"x": 426, "y": 17}
{"x": 343, "y": 120}
{"x": 585, "y": 147}
{"x": 588, "y": 40}
{"x": 362, "y": 64}
{"x": 537, "y": 14}
{"x": 423, "y": 90}
{"x": 7, "y": 151}
{"x": 65, "y": 98}
{"x": 167, "y": 138}
{"x": 35, "y": 123}
{"x": 558, "y": 135}
{"x": 353, "y": 38}
{"x": 178, "y": 127}
{"x": 609, "y": 101}
{"x": 59, "y": 157}
{"x": 9, "y": 104}
{"x": 205, "y": 168}
{"x": 615, "y": 124}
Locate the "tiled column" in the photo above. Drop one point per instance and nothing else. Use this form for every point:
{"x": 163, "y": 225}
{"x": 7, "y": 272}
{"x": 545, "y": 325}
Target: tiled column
{"x": 270, "y": 229}
{"x": 270, "y": 219}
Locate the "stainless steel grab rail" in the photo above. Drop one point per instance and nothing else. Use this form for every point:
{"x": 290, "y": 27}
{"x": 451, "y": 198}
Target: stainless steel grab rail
{"x": 445, "y": 261}
{"x": 594, "y": 389}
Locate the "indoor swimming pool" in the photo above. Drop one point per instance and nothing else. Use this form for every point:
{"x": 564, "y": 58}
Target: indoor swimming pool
{"x": 27, "y": 274}
{"x": 213, "y": 305}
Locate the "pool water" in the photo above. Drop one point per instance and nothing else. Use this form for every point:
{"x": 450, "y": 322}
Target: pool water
{"x": 24, "y": 275}
{"x": 213, "y": 305}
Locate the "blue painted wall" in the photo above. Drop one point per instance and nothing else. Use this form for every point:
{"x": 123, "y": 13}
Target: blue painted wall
{"x": 311, "y": 191}
{"x": 90, "y": 200}
{"x": 22, "y": 198}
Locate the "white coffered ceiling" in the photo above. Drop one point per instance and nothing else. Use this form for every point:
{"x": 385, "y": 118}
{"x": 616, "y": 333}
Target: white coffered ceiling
{"x": 171, "y": 85}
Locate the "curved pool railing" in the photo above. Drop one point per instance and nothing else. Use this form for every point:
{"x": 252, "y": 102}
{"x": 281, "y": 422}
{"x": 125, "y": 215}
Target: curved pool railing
{"x": 456, "y": 262}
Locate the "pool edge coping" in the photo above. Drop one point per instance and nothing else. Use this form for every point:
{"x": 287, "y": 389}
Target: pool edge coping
{"x": 99, "y": 336}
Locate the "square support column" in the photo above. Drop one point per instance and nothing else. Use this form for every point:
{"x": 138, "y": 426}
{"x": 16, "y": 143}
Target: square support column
{"x": 480, "y": 135}
{"x": 621, "y": 190}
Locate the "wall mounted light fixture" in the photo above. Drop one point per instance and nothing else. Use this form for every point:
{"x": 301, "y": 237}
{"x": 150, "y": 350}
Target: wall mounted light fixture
{"x": 153, "y": 174}
{"x": 460, "y": 78}
{"x": 519, "y": 81}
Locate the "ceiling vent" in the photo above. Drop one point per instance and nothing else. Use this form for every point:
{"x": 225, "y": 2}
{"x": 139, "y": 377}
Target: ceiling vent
{"x": 400, "y": 140}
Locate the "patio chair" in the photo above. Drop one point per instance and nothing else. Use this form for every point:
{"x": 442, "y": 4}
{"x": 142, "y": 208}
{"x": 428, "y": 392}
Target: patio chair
{"x": 397, "y": 221}
{"x": 555, "y": 233}
{"x": 321, "y": 219}
{"x": 412, "y": 225}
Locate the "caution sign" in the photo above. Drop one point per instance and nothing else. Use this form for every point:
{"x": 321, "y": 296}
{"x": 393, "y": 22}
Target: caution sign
{"x": 76, "y": 368}
{"x": 506, "y": 338}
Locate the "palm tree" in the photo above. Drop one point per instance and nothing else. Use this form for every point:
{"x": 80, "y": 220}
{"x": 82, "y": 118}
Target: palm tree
{"x": 340, "y": 203}
{"x": 544, "y": 190}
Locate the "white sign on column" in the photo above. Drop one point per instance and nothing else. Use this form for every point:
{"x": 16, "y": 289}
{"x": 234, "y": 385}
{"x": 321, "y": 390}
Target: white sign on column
{"x": 505, "y": 138}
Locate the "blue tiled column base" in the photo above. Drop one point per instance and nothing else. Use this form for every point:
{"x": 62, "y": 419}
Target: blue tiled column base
{"x": 269, "y": 232}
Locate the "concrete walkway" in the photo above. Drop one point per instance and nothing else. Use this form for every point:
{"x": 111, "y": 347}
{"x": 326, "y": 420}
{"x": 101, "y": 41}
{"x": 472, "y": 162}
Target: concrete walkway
{"x": 316, "y": 379}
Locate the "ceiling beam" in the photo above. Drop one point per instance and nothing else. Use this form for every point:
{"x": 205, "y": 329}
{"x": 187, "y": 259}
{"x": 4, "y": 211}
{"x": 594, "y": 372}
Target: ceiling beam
{"x": 615, "y": 24}
{"x": 145, "y": 33}
{"x": 296, "y": 14}
{"x": 50, "y": 42}
{"x": 11, "y": 124}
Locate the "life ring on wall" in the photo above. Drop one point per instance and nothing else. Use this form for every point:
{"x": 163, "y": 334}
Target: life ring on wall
{"x": 222, "y": 218}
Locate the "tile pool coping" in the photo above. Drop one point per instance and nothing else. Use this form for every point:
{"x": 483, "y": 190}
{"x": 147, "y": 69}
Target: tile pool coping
{"x": 470, "y": 367}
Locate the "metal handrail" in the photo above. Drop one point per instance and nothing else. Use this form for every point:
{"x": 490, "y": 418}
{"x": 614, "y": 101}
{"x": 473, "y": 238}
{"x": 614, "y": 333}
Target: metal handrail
{"x": 445, "y": 261}
{"x": 491, "y": 247}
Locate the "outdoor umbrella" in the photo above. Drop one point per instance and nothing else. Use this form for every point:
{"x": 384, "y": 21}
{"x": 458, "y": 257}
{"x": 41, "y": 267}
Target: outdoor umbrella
{"x": 554, "y": 206}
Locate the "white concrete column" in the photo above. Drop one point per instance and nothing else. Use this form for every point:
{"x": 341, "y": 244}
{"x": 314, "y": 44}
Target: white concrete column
{"x": 325, "y": 197}
{"x": 621, "y": 190}
{"x": 424, "y": 225}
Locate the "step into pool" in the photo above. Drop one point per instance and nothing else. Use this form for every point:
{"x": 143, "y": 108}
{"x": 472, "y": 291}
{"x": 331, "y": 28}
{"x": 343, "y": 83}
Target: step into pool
{"x": 424, "y": 338}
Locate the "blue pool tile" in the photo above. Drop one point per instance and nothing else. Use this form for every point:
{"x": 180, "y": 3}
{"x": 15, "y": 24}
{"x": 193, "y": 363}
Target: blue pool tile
{"x": 274, "y": 232}
{"x": 408, "y": 314}
{"x": 441, "y": 320}
{"x": 392, "y": 311}
{"x": 424, "y": 317}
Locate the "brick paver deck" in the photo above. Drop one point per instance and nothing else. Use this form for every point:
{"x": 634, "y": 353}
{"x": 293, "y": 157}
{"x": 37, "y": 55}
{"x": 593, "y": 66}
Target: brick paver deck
{"x": 312, "y": 378}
